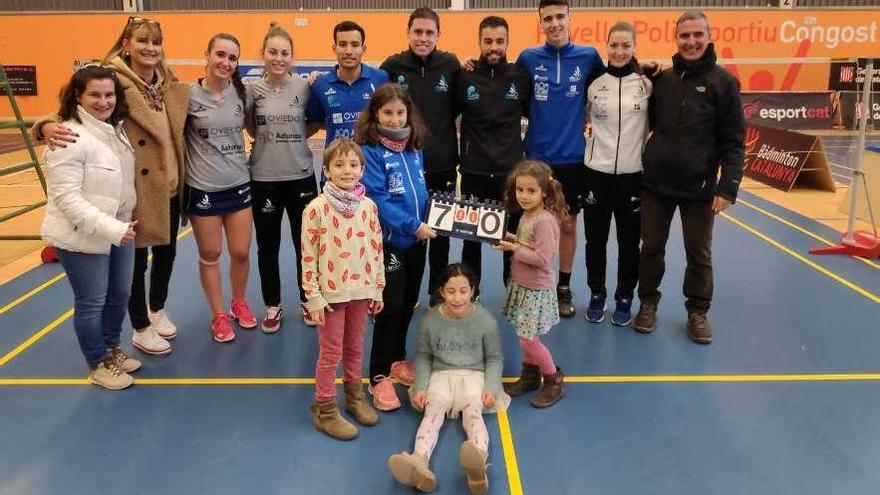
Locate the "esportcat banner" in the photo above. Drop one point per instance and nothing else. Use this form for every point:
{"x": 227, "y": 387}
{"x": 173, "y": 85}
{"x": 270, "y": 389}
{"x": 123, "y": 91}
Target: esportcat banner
{"x": 789, "y": 110}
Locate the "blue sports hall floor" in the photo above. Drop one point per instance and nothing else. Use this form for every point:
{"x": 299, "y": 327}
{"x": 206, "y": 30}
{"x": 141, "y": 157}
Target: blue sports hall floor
{"x": 783, "y": 402}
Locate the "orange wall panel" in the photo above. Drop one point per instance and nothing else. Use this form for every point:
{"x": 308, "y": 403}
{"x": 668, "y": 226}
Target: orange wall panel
{"x": 53, "y": 41}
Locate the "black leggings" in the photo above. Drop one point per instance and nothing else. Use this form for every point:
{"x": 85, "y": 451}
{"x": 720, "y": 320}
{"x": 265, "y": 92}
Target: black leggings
{"x": 270, "y": 200}
{"x": 160, "y": 273}
{"x": 608, "y": 195}
{"x": 403, "y": 279}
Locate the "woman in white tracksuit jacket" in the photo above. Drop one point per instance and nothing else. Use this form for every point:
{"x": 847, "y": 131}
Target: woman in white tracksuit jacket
{"x": 617, "y": 104}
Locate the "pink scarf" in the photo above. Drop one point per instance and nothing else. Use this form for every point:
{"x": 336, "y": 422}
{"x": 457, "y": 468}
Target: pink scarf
{"x": 345, "y": 202}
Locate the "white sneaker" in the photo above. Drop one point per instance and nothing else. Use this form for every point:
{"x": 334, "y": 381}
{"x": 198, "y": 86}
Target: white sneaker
{"x": 307, "y": 318}
{"x": 109, "y": 376}
{"x": 162, "y": 325}
{"x": 149, "y": 342}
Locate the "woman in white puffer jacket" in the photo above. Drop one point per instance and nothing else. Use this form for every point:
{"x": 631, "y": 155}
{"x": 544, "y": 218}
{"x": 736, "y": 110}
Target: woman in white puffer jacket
{"x": 91, "y": 197}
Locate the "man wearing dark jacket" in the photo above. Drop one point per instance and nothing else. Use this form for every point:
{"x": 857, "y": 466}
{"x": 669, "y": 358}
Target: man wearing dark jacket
{"x": 428, "y": 75}
{"x": 698, "y": 127}
{"x": 492, "y": 100}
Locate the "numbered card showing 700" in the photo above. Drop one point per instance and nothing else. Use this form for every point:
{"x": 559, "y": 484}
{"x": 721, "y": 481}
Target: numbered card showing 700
{"x": 473, "y": 221}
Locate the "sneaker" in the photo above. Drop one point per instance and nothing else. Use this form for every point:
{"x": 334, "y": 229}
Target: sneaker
{"x": 384, "y": 396}
{"x": 596, "y": 309}
{"x": 272, "y": 321}
{"x": 221, "y": 330}
{"x": 125, "y": 362}
{"x": 162, "y": 325}
{"x": 566, "y": 308}
{"x": 149, "y": 342}
{"x": 403, "y": 372}
{"x": 699, "y": 329}
{"x": 109, "y": 376}
{"x": 241, "y": 312}
{"x": 645, "y": 318}
{"x": 307, "y": 317}
{"x": 622, "y": 313}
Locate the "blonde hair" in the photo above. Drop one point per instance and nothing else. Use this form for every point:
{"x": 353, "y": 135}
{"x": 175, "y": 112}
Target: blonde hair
{"x": 154, "y": 30}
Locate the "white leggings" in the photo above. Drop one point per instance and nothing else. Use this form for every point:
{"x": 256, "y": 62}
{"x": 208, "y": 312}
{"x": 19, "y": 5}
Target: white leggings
{"x": 432, "y": 422}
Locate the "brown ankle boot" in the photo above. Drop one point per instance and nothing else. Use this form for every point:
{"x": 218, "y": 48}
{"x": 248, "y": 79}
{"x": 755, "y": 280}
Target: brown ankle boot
{"x": 473, "y": 461}
{"x": 551, "y": 391}
{"x": 529, "y": 380}
{"x": 326, "y": 418}
{"x": 357, "y": 405}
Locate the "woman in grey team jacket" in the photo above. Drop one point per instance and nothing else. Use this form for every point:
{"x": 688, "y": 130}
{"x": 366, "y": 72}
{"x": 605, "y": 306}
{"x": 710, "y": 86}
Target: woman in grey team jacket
{"x": 617, "y": 103}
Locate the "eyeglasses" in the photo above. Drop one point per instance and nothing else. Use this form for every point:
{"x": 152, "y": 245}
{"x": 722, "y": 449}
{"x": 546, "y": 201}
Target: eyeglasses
{"x": 137, "y": 21}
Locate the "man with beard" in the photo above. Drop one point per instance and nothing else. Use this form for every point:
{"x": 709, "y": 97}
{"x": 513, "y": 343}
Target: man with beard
{"x": 492, "y": 100}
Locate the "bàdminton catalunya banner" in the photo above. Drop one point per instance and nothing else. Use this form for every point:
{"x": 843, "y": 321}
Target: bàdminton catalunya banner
{"x": 747, "y": 41}
{"x": 785, "y": 159}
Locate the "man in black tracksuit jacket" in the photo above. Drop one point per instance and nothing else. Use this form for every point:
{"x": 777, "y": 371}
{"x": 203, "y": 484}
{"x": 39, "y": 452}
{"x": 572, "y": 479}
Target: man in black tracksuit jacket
{"x": 492, "y": 100}
{"x": 428, "y": 75}
{"x": 698, "y": 128}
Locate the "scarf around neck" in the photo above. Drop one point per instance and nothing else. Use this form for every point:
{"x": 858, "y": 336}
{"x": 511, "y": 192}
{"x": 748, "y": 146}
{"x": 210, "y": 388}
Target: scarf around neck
{"x": 394, "y": 139}
{"x": 345, "y": 202}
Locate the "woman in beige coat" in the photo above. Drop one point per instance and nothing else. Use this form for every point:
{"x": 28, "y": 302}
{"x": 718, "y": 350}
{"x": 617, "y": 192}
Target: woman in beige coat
{"x": 157, "y": 113}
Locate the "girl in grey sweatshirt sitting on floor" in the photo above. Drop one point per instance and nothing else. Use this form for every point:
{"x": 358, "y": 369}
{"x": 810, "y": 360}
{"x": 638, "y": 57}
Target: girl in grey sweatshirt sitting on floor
{"x": 458, "y": 371}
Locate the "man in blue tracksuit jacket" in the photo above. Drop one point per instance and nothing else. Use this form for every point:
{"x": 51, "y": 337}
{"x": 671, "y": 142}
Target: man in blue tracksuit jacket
{"x": 338, "y": 97}
{"x": 559, "y": 70}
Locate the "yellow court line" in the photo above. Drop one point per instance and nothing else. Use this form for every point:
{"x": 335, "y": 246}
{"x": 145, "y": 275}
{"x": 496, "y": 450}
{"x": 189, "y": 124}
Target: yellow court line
{"x": 502, "y": 418}
{"x": 40, "y": 288}
{"x": 804, "y": 260}
{"x": 803, "y": 230}
{"x": 513, "y": 480}
{"x": 35, "y": 337}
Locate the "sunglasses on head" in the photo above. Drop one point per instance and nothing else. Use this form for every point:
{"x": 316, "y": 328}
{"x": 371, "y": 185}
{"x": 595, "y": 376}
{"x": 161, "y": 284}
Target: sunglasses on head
{"x": 137, "y": 21}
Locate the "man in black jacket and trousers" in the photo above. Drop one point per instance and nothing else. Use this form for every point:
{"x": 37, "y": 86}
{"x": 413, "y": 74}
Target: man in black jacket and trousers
{"x": 492, "y": 100}
{"x": 428, "y": 75}
{"x": 698, "y": 128}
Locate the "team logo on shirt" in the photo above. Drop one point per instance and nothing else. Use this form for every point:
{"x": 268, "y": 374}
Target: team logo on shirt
{"x": 401, "y": 80}
{"x": 395, "y": 183}
{"x": 572, "y": 91}
{"x": 336, "y": 118}
{"x": 541, "y": 68}
{"x": 393, "y": 263}
{"x": 237, "y": 111}
{"x": 512, "y": 93}
{"x": 197, "y": 108}
{"x": 295, "y": 101}
{"x": 330, "y": 91}
{"x": 204, "y": 133}
{"x": 576, "y": 75}
{"x": 442, "y": 86}
{"x": 260, "y": 120}
{"x": 366, "y": 96}
{"x": 541, "y": 91}
{"x": 541, "y": 78}
{"x": 637, "y": 106}
{"x": 472, "y": 94}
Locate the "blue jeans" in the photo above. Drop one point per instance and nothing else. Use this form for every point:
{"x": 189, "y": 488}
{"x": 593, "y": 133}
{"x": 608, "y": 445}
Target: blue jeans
{"x": 101, "y": 285}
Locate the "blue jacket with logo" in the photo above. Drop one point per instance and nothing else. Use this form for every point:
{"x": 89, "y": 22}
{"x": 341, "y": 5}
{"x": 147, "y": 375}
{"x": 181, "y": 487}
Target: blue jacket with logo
{"x": 338, "y": 104}
{"x": 557, "y": 110}
{"x": 396, "y": 183}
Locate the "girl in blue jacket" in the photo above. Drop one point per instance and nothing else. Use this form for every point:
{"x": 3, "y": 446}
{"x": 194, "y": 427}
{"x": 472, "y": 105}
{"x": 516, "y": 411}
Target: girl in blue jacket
{"x": 391, "y": 133}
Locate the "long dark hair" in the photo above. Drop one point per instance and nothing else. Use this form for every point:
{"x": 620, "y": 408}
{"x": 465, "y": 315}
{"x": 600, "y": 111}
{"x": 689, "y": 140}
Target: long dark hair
{"x": 458, "y": 270}
{"x": 236, "y": 78}
{"x": 77, "y": 86}
{"x": 554, "y": 202}
{"x": 367, "y": 129}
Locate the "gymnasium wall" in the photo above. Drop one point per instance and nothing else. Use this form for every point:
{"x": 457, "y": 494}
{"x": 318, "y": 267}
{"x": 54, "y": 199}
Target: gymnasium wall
{"x": 52, "y": 42}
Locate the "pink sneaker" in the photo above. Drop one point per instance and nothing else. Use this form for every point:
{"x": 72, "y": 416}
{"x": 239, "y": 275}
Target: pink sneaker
{"x": 221, "y": 330}
{"x": 384, "y": 396}
{"x": 403, "y": 372}
{"x": 241, "y": 311}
